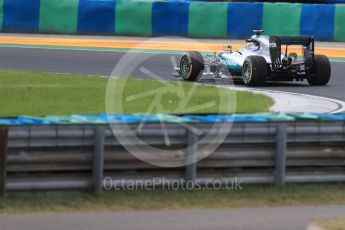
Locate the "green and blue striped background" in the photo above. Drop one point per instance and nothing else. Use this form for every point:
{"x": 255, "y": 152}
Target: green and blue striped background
{"x": 194, "y": 19}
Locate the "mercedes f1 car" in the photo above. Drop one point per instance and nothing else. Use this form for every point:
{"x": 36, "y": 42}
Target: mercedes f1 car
{"x": 265, "y": 58}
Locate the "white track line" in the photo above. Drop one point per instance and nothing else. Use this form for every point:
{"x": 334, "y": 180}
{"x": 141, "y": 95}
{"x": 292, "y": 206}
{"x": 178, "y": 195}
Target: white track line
{"x": 314, "y": 227}
{"x": 296, "y": 102}
{"x": 317, "y": 99}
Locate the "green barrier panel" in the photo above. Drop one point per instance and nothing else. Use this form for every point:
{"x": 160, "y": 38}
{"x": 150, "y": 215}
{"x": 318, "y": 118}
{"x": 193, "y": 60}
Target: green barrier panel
{"x": 133, "y": 18}
{"x": 276, "y": 116}
{"x": 282, "y": 18}
{"x": 171, "y": 118}
{"x": 339, "y": 23}
{"x": 301, "y": 116}
{"x": 208, "y": 19}
{"x": 59, "y": 16}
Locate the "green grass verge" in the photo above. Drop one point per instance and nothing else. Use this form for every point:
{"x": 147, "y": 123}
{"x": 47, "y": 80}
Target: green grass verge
{"x": 249, "y": 196}
{"x": 39, "y": 94}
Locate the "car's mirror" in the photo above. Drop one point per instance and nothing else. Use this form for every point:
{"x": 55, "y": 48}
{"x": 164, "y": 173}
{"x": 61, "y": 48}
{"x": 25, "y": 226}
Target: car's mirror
{"x": 292, "y": 56}
{"x": 227, "y": 48}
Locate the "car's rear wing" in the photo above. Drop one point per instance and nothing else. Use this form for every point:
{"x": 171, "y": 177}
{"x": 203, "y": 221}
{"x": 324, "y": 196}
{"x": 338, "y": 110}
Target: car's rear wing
{"x": 275, "y": 43}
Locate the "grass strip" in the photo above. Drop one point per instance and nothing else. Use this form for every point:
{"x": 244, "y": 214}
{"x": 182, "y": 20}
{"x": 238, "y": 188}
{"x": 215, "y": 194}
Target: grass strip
{"x": 248, "y": 196}
{"x": 40, "y": 94}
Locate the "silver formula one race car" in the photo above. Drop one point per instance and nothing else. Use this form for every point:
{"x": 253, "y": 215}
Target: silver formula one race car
{"x": 260, "y": 61}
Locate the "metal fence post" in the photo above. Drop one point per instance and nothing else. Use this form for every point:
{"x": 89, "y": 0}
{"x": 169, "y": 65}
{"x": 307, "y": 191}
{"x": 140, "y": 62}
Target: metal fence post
{"x": 191, "y": 158}
{"x": 3, "y": 160}
{"x": 98, "y": 160}
{"x": 280, "y": 164}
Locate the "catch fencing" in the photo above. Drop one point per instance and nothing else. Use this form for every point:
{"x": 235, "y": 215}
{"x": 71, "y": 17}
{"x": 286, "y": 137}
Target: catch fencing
{"x": 79, "y": 156}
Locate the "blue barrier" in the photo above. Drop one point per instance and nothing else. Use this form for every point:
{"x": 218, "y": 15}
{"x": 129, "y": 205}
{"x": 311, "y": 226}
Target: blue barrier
{"x": 170, "y": 18}
{"x": 32, "y": 120}
{"x": 332, "y": 116}
{"x": 226, "y": 118}
{"x": 96, "y": 16}
{"x": 237, "y": 25}
{"x": 21, "y": 15}
{"x": 303, "y": 116}
{"x": 276, "y": 116}
{"x": 333, "y": 1}
{"x": 8, "y": 121}
{"x": 149, "y": 118}
{"x": 318, "y": 20}
{"x": 179, "y": 18}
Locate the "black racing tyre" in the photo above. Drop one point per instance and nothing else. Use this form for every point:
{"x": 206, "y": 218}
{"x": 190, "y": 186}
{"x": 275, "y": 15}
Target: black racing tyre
{"x": 321, "y": 71}
{"x": 191, "y": 66}
{"x": 254, "y": 71}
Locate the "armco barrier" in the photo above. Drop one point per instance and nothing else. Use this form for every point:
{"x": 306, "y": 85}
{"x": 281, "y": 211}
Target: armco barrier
{"x": 156, "y": 18}
{"x": 80, "y": 156}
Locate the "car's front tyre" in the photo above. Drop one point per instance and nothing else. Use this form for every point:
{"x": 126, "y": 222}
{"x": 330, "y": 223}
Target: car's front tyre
{"x": 191, "y": 66}
{"x": 321, "y": 71}
{"x": 254, "y": 71}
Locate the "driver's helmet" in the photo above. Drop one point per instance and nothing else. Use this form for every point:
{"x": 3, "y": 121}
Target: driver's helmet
{"x": 252, "y": 44}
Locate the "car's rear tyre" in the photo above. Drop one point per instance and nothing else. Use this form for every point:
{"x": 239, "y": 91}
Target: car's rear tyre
{"x": 254, "y": 71}
{"x": 321, "y": 71}
{"x": 191, "y": 66}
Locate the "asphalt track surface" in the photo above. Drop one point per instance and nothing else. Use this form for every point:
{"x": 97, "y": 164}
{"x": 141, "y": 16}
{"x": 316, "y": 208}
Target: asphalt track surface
{"x": 285, "y": 218}
{"x": 103, "y": 62}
